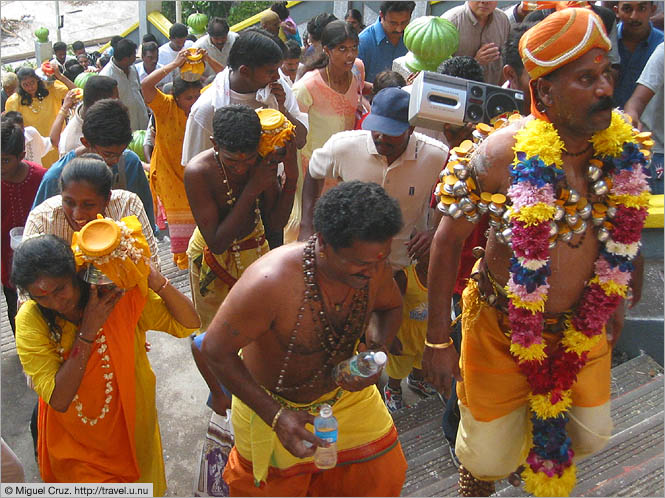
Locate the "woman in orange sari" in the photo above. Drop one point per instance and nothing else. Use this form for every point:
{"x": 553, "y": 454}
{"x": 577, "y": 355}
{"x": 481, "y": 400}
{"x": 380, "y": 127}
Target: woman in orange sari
{"x": 83, "y": 347}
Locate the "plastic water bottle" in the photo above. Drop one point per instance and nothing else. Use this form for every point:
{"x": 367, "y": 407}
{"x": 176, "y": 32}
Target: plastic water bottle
{"x": 363, "y": 364}
{"x": 325, "y": 427}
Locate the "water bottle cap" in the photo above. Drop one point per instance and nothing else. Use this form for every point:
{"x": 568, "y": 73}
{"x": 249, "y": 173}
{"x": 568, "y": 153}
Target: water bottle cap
{"x": 380, "y": 358}
{"x": 325, "y": 410}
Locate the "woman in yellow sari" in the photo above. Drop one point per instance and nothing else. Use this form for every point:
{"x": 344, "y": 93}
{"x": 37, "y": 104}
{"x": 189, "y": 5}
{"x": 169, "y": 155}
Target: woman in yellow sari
{"x": 39, "y": 102}
{"x": 83, "y": 347}
{"x": 166, "y": 170}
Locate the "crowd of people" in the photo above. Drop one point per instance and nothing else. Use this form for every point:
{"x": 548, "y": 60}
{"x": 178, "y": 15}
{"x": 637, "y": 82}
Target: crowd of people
{"x": 314, "y": 222}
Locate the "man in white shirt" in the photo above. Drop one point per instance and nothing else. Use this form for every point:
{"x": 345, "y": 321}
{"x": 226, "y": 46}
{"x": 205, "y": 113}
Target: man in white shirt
{"x": 97, "y": 88}
{"x": 36, "y": 146}
{"x": 386, "y": 151}
{"x": 645, "y": 106}
{"x": 121, "y": 68}
{"x": 148, "y": 63}
{"x": 177, "y": 41}
{"x": 217, "y": 42}
{"x": 251, "y": 78}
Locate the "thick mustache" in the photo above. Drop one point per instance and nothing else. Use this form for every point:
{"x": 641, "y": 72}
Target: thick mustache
{"x": 603, "y": 104}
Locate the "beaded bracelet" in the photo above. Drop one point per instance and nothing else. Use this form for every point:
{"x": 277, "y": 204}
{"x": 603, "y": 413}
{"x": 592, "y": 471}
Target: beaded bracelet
{"x": 276, "y": 418}
{"x": 442, "y": 345}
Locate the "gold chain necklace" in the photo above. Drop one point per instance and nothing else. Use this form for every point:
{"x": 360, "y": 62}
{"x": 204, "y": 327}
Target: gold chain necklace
{"x": 330, "y": 81}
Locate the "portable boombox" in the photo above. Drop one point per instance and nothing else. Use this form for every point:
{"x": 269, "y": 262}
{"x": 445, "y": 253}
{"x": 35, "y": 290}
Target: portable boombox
{"x": 438, "y": 98}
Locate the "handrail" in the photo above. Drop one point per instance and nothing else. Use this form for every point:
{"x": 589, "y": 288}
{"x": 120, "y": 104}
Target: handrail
{"x": 655, "y": 216}
{"x": 250, "y": 21}
{"x": 159, "y": 21}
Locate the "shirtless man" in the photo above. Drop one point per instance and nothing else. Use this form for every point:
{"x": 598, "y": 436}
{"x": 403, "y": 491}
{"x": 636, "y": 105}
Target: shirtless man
{"x": 230, "y": 188}
{"x": 296, "y": 313}
{"x": 492, "y": 441}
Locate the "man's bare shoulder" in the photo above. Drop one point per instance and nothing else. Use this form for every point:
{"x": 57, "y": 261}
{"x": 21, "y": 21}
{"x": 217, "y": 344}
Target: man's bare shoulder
{"x": 494, "y": 155}
{"x": 276, "y": 270}
{"x": 201, "y": 162}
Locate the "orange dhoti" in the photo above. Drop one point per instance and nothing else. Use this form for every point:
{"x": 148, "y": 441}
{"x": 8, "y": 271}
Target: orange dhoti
{"x": 494, "y": 436}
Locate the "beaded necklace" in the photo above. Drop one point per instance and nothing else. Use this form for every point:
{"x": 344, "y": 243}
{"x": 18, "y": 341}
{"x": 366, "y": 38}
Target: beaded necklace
{"x": 333, "y": 341}
{"x": 235, "y": 245}
{"x": 32, "y": 103}
{"x": 100, "y": 344}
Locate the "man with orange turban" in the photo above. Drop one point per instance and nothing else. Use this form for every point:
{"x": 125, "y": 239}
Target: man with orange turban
{"x": 537, "y": 337}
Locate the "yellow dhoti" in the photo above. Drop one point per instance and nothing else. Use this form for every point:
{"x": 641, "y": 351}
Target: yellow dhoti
{"x": 370, "y": 461}
{"x": 211, "y": 276}
{"x": 494, "y": 435}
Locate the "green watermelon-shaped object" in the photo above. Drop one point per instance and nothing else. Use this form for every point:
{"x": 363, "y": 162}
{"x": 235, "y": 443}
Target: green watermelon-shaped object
{"x": 430, "y": 40}
{"x": 82, "y": 78}
{"x": 198, "y": 22}
{"x": 136, "y": 145}
{"x": 42, "y": 34}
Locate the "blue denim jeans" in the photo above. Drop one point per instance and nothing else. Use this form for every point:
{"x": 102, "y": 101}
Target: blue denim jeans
{"x": 656, "y": 172}
{"x": 451, "y": 415}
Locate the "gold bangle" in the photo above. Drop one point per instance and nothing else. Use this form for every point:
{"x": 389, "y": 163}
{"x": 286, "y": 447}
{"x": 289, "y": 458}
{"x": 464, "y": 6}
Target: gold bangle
{"x": 87, "y": 341}
{"x": 166, "y": 282}
{"x": 442, "y": 345}
{"x": 276, "y": 418}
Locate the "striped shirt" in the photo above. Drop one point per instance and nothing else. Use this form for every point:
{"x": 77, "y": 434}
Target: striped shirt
{"x": 49, "y": 217}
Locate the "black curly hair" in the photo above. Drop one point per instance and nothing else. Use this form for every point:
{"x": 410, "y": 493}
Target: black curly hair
{"x": 356, "y": 211}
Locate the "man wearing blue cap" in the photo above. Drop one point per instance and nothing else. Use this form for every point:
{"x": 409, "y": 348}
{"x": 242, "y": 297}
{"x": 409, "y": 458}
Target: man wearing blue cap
{"x": 386, "y": 151}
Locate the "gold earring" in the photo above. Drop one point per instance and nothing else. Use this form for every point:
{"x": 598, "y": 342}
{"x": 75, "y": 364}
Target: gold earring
{"x": 322, "y": 255}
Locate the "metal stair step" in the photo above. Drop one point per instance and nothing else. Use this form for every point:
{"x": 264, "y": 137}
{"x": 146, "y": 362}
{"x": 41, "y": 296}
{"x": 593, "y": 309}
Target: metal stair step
{"x": 630, "y": 465}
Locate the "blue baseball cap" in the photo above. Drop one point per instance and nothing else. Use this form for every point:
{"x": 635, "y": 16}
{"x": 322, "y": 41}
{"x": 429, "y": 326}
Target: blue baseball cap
{"x": 390, "y": 112}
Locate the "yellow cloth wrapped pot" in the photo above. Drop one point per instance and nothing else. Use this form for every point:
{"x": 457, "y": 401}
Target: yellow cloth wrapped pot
{"x": 116, "y": 248}
{"x": 277, "y": 130}
{"x": 193, "y": 68}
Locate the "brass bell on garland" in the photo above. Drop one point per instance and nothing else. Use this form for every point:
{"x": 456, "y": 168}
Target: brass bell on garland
{"x": 584, "y": 209}
{"x": 603, "y": 234}
{"x": 598, "y": 213}
{"x": 484, "y": 203}
{"x": 461, "y": 171}
{"x": 602, "y": 187}
{"x": 496, "y": 205}
{"x": 572, "y": 219}
{"x": 565, "y": 234}
{"x": 579, "y": 227}
{"x": 574, "y": 197}
{"x": 559, "y": 213}
{"x": 594, "y": 173}
{"x": 459, "y": 189}
{"x": 466, "y": 205}
{"x": 454, "y": 210}
{"x": 473, "y": 217}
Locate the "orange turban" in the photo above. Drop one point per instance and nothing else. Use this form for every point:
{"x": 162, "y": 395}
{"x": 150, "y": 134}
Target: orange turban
{"x": 559, "y": 39}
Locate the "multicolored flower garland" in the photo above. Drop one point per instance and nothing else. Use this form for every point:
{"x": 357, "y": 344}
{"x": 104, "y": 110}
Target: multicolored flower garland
{"x": 551, "y": 370}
